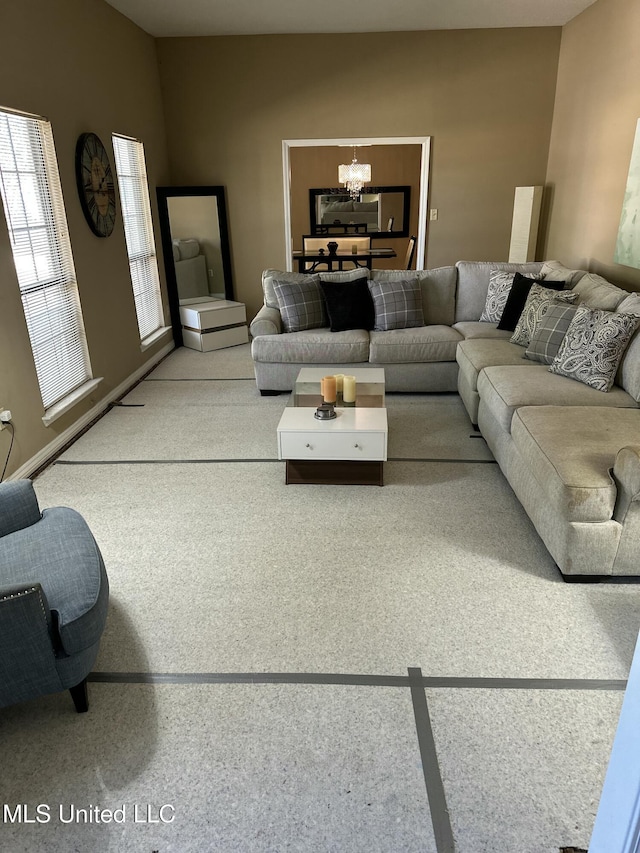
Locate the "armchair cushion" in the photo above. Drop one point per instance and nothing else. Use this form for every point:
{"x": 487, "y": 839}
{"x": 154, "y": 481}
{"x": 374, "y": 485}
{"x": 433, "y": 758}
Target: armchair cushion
{"x": 18, "y": 506}
{"x": 60, "y": 553}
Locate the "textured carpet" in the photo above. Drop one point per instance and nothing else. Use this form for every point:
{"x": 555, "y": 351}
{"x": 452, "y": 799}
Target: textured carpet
{"x": 216, "y": 566}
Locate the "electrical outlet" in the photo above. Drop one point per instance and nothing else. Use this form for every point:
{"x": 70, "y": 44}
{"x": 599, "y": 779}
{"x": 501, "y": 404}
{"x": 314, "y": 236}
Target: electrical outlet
{"x": 5, "y": 417}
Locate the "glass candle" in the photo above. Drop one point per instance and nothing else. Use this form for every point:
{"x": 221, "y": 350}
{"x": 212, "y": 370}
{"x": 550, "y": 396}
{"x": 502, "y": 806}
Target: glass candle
{"x": 339, "y": 379}
{"x": 349, "y": 389}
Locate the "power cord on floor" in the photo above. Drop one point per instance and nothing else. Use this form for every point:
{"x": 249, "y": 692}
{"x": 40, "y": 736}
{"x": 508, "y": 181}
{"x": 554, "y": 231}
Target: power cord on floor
{"x": 6, "y": 462}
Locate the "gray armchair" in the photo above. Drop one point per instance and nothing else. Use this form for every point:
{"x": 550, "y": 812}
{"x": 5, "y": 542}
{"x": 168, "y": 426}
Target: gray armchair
{"x": 54, "y": 595}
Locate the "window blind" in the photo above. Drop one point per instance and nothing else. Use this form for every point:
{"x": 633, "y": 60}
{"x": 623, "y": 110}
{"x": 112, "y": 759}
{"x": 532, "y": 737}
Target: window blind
{"x": 37, "y": 223}
{"x": 138, "y": 228}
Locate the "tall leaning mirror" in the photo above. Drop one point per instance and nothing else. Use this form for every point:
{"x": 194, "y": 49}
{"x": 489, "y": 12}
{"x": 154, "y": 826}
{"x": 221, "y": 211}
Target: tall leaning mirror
{"x": 195, "y": 245}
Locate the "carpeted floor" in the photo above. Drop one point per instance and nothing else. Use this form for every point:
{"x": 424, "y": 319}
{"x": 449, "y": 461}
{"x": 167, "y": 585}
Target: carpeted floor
{"x": 317, "y": 668}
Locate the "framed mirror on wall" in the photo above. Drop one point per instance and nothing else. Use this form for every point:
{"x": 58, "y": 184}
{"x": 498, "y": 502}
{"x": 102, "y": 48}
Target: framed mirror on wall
{"x": 195, "y": 245}
{"x": 378, "y": 211}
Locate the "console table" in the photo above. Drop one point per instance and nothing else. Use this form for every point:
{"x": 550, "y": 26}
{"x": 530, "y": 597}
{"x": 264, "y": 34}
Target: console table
{"x": 309, "y": 261}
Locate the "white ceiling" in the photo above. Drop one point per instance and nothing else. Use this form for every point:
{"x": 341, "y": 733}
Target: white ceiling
{"x": 246, "y": 17}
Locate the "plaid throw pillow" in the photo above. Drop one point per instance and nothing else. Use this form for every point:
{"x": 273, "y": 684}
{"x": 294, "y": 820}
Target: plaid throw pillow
{"x": 550, "y": 332}
{"x": 397, "y": 304}
{"x": 539, "y": 300}
{"x": 301, "y": 304}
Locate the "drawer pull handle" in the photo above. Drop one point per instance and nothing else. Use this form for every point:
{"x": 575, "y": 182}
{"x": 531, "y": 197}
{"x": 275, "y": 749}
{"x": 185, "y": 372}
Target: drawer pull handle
{"x": 356, "y": 445}
{"x": 308, "y": 445}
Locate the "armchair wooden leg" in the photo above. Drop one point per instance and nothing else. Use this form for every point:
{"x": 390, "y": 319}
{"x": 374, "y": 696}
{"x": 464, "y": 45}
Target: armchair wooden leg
{"x": 80, "y": 696}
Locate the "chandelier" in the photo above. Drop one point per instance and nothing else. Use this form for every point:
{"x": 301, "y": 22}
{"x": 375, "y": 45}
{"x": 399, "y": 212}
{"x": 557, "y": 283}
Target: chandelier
{"x": 354, "y": 175}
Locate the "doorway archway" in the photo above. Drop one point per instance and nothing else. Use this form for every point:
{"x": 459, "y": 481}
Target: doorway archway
{"x": 423, "y": 141}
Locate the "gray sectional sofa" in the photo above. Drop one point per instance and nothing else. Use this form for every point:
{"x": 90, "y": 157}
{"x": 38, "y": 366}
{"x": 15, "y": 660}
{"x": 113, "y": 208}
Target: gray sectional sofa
{"x": 570, "y": 452}
{"x": 419, "y": 359}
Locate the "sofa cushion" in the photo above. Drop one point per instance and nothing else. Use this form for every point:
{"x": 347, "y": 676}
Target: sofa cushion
{"x": 597, "y": 292}
{"x": 539, "y": 300}
{"x": 349, "y": 304}
{"x": 345, "y": 275}
{"x": 505, "y": 388}
{"x": 268, "y": 277}
{"x": 423, "y": 344}
{"x": 575, "y": 474}
{"x": 555, "y": 271}
{"x": 316, "y": 346}
{"x": 476, "y": 354}
{"x": 438, "y": 288}
{"x": 550, "y": 332}
{"x": 397, "y": 304}
{"x": 301, "y": 304}
{"x": 517, "y": 299}
{"x": 474, "y": 329}
{"x": 628, "y": 376}
{"x": 592, "y": 348}
{"x": 473, "y": 284}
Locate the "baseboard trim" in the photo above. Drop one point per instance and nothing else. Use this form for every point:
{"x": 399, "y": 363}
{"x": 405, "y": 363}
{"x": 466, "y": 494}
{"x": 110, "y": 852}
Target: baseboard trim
{"x": 49, "y": 451}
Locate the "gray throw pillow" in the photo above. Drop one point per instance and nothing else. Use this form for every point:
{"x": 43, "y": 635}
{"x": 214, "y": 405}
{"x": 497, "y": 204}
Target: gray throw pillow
{"x": 301, "y": 304}
{"x": 397, "y": 304}
{"x": 539, "y": 300}
{"x": 550, "y": 333}
{"x": 500, "y": 284}
{"x": 593, "y": 346}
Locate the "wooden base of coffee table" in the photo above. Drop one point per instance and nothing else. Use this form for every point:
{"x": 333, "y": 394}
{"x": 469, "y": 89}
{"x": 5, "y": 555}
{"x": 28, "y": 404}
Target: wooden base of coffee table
{"x": 337, "y": 473}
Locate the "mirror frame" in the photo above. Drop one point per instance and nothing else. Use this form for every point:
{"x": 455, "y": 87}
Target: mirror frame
{"x": 165, "y": 193}
{"x": 375, "y": 235}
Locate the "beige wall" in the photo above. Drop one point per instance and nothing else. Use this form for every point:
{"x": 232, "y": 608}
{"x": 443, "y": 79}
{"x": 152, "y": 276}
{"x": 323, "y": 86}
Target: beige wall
{"x": 86, "y": 68}
{"x": 485, "y": 96}
{"x": 597, "y": 108}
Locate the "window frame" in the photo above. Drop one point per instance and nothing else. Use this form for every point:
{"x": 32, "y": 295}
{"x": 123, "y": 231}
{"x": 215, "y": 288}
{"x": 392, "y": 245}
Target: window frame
{"x": 36, "y": 221}
{"x": 135, "y": 206}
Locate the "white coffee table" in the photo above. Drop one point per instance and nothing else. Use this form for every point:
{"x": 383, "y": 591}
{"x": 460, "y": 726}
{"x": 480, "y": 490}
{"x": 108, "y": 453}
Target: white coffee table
{"x": 348, "y": 450}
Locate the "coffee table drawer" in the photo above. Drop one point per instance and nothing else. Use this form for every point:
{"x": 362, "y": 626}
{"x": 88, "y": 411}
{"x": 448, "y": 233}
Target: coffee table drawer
{"x": 344, "y": 445}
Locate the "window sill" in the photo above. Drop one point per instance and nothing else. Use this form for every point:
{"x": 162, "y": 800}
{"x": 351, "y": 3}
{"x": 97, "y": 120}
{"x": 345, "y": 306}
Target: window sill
{"x": 154, "y": 337}
{"x": 68, "y": 402}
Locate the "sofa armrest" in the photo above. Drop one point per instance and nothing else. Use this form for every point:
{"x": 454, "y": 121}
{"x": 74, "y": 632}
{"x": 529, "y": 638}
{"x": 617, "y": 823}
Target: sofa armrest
{"x": 626, "y": 473}
{"x": 266, "y": 322}
{"x": 18, "y": 506}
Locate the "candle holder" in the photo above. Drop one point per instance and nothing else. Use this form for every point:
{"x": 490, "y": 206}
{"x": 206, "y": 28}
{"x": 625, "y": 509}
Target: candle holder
{"x": 325, "y": 412}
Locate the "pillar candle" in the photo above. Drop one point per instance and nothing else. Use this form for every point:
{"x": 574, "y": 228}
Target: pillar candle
{"x": 349, "y": 389}
{"x": 339, "y": 378}
{"x": 329, "y": 389}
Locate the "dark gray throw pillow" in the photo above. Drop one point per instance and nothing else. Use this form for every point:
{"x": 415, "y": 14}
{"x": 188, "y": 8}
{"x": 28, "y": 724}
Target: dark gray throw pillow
{"x": 397, "y": 304}
{"x": 517, "y": 298}
{"x": 301, "y": 304}
{"x": 349, "y": 304}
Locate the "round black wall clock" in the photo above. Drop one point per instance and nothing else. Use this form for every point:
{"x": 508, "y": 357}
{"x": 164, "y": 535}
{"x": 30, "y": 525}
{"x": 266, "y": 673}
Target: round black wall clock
{"x": 95, "y": 184}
